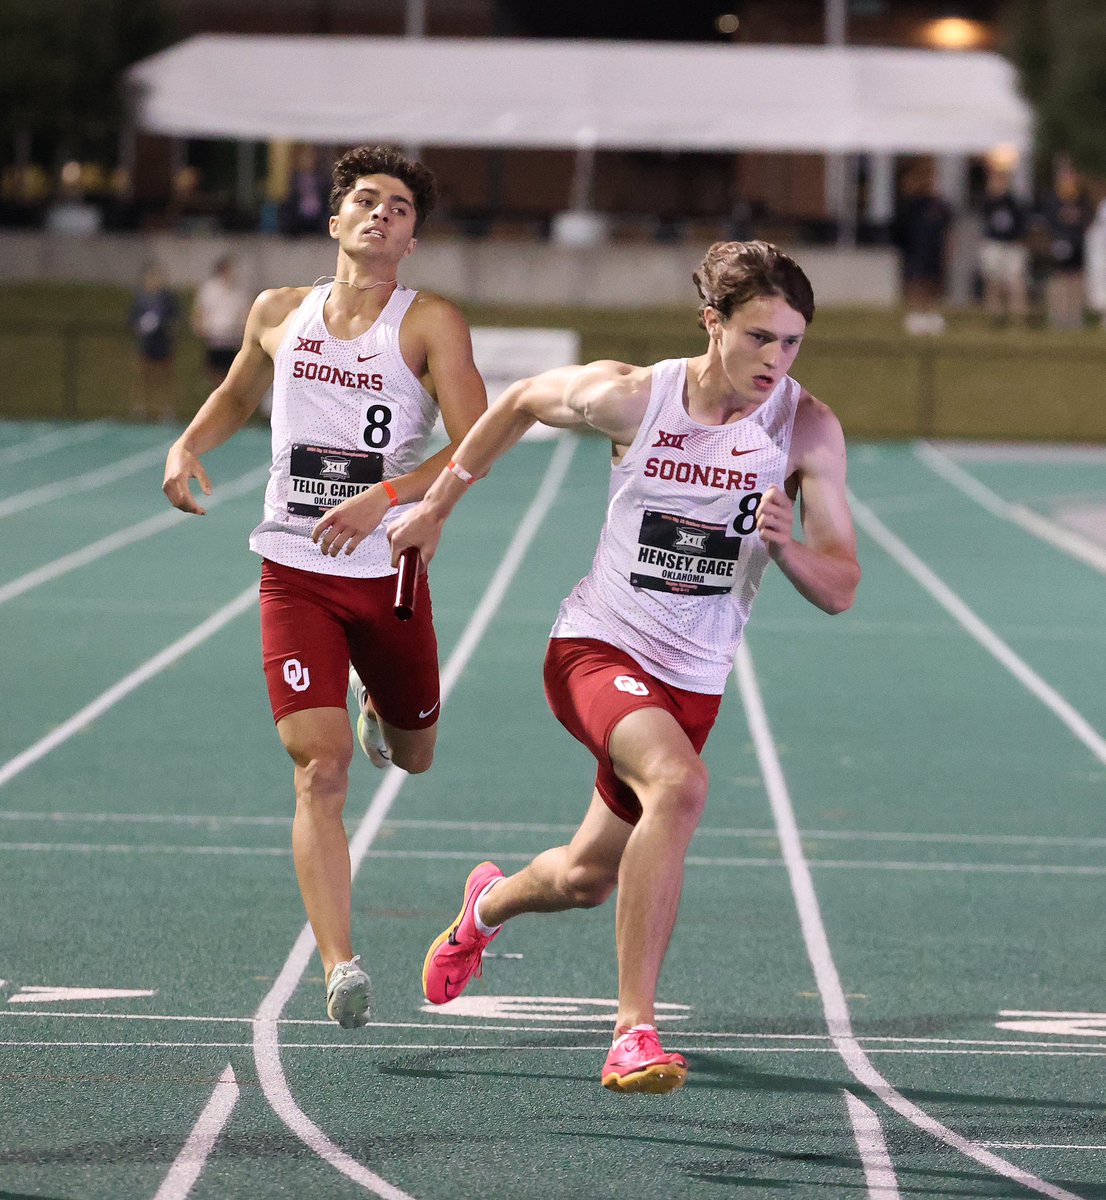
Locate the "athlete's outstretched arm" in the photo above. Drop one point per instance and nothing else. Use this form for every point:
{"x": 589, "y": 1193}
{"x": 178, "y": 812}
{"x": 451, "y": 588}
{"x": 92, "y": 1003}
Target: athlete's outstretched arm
{"x": 823, "y": 567}
{"x": 609, "y": 397}
{"x": 440, "y": 335}
{"x": 229, "y": 406}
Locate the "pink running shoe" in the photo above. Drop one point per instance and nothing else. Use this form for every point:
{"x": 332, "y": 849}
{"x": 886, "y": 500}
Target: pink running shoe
{"x": 454, "y": 957}
{"x": 637, "y": 1063}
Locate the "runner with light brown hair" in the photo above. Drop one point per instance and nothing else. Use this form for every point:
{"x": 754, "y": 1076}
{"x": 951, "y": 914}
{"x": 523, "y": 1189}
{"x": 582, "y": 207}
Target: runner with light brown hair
{"x": 709, "y": 456}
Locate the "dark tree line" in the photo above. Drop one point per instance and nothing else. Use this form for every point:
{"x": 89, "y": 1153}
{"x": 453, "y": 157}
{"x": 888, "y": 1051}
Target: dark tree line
{"x": 1059, "y": 49}
{"x": 61, "y": 71}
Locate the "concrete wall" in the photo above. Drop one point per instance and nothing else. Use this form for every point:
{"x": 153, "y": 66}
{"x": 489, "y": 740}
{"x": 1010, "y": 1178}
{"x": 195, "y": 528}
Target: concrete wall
{"x": 616, "y": 275}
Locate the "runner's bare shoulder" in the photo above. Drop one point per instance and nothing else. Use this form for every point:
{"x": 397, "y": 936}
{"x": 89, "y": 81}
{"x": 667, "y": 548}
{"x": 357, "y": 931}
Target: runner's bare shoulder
{"x": 817, "y": 439}
{"x": 274, "y": 305}
{"x": 430, "y": 313}
{"x": 815, "y": 421}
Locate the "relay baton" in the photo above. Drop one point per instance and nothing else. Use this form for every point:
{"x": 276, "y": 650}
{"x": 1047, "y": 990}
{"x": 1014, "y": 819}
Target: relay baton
{"x": 405, "y": 584}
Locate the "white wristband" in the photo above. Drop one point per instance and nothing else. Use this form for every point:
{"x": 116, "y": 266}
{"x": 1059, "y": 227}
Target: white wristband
{"x": 466, "y": 477}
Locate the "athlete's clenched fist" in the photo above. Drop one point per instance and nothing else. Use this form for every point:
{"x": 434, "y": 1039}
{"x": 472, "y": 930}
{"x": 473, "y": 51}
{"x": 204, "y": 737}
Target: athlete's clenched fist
{"x": 775, "y": 515}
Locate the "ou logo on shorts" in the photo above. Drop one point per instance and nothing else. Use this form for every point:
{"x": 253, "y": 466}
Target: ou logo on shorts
{"x": 627, "y": 683}
{"x": 296, "y": 675}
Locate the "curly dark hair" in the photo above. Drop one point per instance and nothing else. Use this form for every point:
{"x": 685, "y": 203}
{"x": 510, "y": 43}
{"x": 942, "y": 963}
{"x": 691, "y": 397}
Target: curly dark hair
{"x": 733, "y": 273}
{"x": 384, "y": 160}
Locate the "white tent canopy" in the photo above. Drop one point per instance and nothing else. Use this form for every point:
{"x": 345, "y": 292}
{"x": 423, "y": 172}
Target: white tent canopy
{"x": 581, "y": 94}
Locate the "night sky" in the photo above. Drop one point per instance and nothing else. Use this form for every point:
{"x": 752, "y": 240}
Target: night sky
{"x": 683, "y": 20}
{"x": 680, "y": 20}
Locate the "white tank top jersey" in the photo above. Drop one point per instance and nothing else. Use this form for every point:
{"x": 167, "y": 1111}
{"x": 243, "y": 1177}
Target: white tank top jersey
{"x": 679, "y": 559}
{"x": 346, "y": 414}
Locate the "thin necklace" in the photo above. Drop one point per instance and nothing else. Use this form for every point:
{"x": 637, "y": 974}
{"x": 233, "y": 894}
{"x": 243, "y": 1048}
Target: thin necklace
{"x": 361, "y": 287}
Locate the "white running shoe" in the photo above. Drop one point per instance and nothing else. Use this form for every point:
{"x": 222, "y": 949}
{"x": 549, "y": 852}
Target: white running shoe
{"x": 369, "y": 734}
{"x": 347, "y": 994}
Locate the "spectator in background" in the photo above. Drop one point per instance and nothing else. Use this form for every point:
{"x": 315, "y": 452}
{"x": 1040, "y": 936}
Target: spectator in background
{"x": 118, "y": 205}
{"x": 920, "y": 231}
{"x": 1004, "y": 256}
{"x": 153, "y": 321}
{"x": 1096, "y": 262}
{"x": 191, "y": 208}
{"x": 1067, "y": 213}
{"x": 1038, "y": 246}
{"x": 740, "y": 223}
{"x": 219, "y": 318}
{"x": 307, "y": 209}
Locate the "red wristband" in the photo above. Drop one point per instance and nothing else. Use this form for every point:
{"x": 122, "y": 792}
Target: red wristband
{"x": 466, "y": 477}
{"x": 393, "y": 495}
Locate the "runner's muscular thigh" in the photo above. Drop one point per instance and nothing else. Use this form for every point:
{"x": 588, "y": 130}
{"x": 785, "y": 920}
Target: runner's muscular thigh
{"x": 648, "y": 747}
{"x": 317, "y": 734}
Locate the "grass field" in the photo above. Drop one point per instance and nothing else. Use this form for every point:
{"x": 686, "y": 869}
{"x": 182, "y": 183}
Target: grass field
{"x": 65, "y": 353}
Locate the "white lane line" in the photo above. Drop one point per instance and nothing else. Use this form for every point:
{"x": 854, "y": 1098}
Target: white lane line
{"x": 1085, "y": 1052}
{"x": 570, "y": 1026}
{"x": 1037, "y": 1012}
{"x": 705, "y": 831}
{"x": 859, "y": 864}
{"x": 153, "y": 666}
{"x": 49, "y": 442}
{"x": 128, "y": 848}
{"x": 110, "y": 473}
{"x": 834, "y": 1004}
{"x": 190, "y": 1161}
{"x": 1086, "y": 632}
{"x": 960, "y": 612}
{"x": 879, "y": 1170}
{"x": 100, "y": 818}
{"x": 1035, "y": 453}
{"x": 266, "y": 1042}
{"x": 125, "y": 537}
{"x": 482, "y": 826}
{"x": 940, "y": 464}
{"x": 1056, "y": 535}
{"x": 525, "y": 856}
{"x": 1040, "y": 1146}
{"x": 267, "y": 1046}
{"x": 186, "y": 819}
{"x": 962, "y": 839}
{"x": 541, "y": 1048}
{"x": 710, "y": 831}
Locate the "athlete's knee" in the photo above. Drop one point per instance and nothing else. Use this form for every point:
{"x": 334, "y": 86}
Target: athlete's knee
{"x": 413, "y": 752}
{"x": 413, "y": 760}
{"x": 587, "y": 885}
{"x": 322, "y": 779}
{"x": 676, "y": 789}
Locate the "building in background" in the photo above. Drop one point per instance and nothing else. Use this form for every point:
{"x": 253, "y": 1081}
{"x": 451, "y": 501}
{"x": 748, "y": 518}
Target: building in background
{"x": 203, "y": 184}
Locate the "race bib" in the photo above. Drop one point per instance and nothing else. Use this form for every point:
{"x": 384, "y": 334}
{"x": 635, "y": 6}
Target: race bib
{"x": 321, "y": 478}
{"x": 682, "y": 555}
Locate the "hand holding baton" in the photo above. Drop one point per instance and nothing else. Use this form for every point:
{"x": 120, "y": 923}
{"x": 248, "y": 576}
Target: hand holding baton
{"x": 404, "y": 606}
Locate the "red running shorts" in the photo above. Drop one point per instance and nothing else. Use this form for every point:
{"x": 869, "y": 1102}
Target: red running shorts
{"x": 313, "y": 626}
{"x": 591, "y": 686}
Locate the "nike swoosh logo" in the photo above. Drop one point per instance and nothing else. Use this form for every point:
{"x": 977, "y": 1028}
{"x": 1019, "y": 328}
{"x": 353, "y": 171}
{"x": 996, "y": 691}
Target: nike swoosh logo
{"x": 738, "y": 453}
{"x": 446, "y": 988}
{"x": 366, "y": 357}
{"x": 429, "y": 710}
